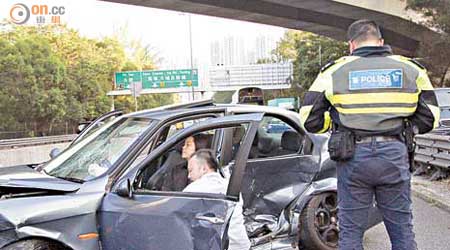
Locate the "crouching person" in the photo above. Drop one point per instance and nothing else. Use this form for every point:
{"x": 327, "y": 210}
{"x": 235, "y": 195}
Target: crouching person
{"x": 205, "y": 178}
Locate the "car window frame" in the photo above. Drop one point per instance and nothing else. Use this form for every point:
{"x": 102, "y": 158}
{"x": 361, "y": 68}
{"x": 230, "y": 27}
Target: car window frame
{"x": 125, "y": 163}
{"x": 152, "y": 142}
{"x": 222, "y": 122}
{"x": 160, "y": 131}
{"x": 181, "y": 193}
{"x": 91, "y": 125}
{"x": 307, "y": 144}
{"x": 300, "y": 151}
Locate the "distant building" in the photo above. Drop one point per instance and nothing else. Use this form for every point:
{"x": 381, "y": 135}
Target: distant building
{"x": 216, "y": 53}
{"x": 229, "y": 51}
{"x": 233, "y": 50}
{"x": 264, "y": 46}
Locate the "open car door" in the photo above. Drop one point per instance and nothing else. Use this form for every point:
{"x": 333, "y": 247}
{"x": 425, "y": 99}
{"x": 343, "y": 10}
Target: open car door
{"x": 134, "y": 217}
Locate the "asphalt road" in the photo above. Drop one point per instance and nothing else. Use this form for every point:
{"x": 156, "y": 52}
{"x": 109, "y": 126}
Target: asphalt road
{"x": 431, "y": 225}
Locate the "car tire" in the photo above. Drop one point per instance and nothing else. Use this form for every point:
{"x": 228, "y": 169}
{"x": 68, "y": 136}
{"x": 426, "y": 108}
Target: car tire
{"x": 34, "y": 245}
{"x": 318, "y": 223}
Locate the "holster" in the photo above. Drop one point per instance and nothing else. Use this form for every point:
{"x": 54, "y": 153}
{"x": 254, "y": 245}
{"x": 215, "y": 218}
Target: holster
{"x": 341, "y": 145}
{"x": 408, "y": 137}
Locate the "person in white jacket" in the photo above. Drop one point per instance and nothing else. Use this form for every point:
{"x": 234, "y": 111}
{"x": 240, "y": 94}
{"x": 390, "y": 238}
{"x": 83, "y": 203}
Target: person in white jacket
{"x": 203, "y": 172}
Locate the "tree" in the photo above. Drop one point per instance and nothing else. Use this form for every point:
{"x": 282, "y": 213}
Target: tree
{"x": 51, "y": 76}
{"x": 308, "y": 53}
{"x": 140, "y": 57}
{"x": 436, "y": 12}
{"x": 265, "y": 61}
{"x": 436, "y": 54}
{"x": 32, "y": 76}
{"x": 90, "y": 65}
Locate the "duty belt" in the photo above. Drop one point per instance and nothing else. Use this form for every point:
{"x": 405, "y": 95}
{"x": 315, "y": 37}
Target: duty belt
{"x": 368, "y": 139}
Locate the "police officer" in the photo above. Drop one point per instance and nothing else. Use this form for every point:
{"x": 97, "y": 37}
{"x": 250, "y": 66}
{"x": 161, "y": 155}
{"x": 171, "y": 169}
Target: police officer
{"x": 368, "y": 98}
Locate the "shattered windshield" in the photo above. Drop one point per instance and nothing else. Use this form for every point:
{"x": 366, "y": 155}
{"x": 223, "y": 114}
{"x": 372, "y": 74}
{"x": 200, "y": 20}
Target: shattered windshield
{"x": 95, "y": 154}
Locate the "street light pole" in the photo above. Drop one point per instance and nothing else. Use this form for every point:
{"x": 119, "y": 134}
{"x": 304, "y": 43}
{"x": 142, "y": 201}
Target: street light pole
{"x": 320, "y": 54}
{"x": 135, "y": 97}
{"x": 192, "y": 60}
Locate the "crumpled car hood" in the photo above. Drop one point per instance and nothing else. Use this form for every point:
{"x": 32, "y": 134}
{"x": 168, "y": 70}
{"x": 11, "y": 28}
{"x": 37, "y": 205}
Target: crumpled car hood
{"x": 41, "y": 208}
{"x": 28, "y": 178}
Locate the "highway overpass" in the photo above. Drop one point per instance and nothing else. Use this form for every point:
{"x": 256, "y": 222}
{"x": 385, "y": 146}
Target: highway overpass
{"x": 324, "y": 17}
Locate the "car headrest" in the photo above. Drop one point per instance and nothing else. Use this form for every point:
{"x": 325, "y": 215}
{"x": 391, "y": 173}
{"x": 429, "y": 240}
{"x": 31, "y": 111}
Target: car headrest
{"x": 203, "y": 140}
{"x": 291, "y": 140}
{"x": 265, "y": 145}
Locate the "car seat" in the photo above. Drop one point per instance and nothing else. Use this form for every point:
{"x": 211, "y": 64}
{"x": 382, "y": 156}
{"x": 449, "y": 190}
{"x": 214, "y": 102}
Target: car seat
{"x": 265, "y": 147}
{"x": 291, "y": 142}
{"x": 165, "y": 178}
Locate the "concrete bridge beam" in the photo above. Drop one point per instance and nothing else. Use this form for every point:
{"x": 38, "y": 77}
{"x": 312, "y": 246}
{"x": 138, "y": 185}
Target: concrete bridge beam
{"x": 324, "y": 17}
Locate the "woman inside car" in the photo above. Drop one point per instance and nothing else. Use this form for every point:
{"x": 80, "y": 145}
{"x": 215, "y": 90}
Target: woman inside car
{"x": 176, "y": 178}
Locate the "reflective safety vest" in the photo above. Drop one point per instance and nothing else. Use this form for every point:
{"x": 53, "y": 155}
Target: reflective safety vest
{"x": 371, "y": 94}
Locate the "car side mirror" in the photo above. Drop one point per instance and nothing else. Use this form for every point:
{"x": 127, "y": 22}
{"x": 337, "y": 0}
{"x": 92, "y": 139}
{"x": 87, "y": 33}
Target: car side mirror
{"x": 54, "y": 152}
{"x": 125, "y": 189}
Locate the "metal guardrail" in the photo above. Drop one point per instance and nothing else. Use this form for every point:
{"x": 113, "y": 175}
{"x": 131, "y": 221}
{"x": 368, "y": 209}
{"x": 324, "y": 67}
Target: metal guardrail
{"x": 34, "y": 141}
{"x": 433, "y": 150}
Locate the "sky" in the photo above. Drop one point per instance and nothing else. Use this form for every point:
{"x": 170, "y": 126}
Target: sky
{"x": 167, "y": 32}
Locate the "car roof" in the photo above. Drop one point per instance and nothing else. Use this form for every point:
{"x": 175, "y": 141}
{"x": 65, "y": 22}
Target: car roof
{"x": 169, "y": 110}
{"x": 242, "y": 108}
{"x": 166, "y": 112}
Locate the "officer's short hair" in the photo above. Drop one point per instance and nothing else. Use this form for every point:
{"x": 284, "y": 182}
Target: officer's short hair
{"x": 206, "y": 156}
{"x": 363, "y": 30}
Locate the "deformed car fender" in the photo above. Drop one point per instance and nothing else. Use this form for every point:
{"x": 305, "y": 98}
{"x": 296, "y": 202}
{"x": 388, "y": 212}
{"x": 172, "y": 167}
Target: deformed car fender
{"x": 64, "y": 231}
{"x": 316, "y": 187}
{"x": 61, "y": 218}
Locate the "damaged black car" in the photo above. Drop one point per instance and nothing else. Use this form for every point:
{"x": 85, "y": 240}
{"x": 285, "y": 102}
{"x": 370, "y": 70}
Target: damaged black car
{"x": 117, "y": 186}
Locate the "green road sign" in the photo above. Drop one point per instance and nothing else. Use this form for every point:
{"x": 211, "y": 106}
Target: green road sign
{"x": 152, "y": 79}
{"x": 123, "y": 79}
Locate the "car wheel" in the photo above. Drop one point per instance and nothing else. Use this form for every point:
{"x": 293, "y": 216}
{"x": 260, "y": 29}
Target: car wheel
{"x": 318, "y": 223}
{"x": 34, "y": 245}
